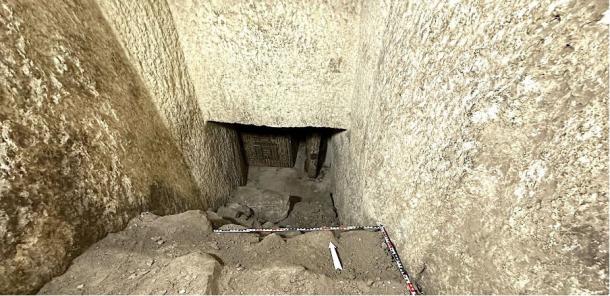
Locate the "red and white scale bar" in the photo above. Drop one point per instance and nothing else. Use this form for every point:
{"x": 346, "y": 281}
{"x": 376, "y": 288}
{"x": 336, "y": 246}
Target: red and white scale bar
{"x": 411, "y": 288}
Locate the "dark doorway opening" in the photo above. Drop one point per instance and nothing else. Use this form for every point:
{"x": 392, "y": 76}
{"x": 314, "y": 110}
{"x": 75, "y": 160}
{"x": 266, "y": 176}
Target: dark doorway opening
{"x": 263, "y": 146}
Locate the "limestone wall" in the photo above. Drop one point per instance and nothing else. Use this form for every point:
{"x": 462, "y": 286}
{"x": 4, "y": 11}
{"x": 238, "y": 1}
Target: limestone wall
{"x": 476, "y": 131}
{"x": 82, "y": 147}
{"x": 274, "y": 63}
{"x": 479, "y": 136}
{"x": 147, "y": 33}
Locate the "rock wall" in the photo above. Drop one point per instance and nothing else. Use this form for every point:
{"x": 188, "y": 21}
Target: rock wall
{"x": 479, "y": 135}
{"x": 477, "y": 131}
{"x": 147, "y": 33}
{"x": 273, "y": 63}
{"x": 82, "y": 146}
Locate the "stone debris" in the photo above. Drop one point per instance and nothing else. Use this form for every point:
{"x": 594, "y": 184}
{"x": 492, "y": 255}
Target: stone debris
{"x": 268, "y": 225}
{"x": 247, "y": 222}
{"x": 216, "y": 219}
{"x": 243, "y": 263}
{"x": 228, "y": 213}
{"x": 158, "y": 240}
{"x": 234, "y": 213}
{"x": 179, "y": 254}
{"x": 241, "y": 209}
{"x": 268, "y": 205}
{"x": 212, "y": 215}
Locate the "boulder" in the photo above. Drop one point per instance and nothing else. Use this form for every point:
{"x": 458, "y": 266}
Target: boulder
{"x": 271, "y": 241}
{"x": 216, "y": 219}
{"x": 228, "y": 213}
{"x": 267, "y": 204}
{"x": 188, "y": 226}
{"x": 242, "y": 209}
{"x": 247, "y": 222}
{"x": 212, "y": 215}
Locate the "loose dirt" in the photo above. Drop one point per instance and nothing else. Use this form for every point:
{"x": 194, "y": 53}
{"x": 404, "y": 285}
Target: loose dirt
{"x": 179, "y": 254}
{"x": 168, "y": 255}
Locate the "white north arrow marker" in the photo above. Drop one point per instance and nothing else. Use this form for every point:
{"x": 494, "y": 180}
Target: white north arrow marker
{"x": 333, "y": 253}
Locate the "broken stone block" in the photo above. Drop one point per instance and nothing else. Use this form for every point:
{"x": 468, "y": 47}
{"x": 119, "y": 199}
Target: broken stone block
{"x": 270, "y": 241}
{"x": 216, "y": 219}
{"x": 267, "y": 204}
{"x": 212, "y": 215}
{"x": 228, "y": 213}
{"x": 247, "y": 222}
{"x": 243, "y": 210}
{"x": 187, "y": 226}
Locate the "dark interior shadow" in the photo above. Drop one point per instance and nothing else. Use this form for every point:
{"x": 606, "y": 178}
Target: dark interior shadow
{"x": 293, "y": 200}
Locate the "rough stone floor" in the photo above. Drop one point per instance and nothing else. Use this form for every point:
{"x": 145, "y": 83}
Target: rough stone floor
{"x": 179, "y": 254}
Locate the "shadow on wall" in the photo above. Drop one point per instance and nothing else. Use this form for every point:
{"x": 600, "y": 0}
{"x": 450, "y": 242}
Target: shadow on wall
{"x": 83, "y": 148}
{"x": 165, "y": 199}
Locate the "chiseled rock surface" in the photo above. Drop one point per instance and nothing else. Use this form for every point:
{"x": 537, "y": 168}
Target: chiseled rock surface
{"x": 274, "y": 63}
{"x": 479, "y": 136}
{"x": 82, "y": 148}
{"x": 153, "y": 255}
{"x": 147, "y": 33}
{"x": 477, "y": 131}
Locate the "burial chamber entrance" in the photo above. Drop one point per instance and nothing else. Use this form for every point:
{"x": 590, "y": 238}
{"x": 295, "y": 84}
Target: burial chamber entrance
{"x": 279, "y": 233}
{"x": 288, "y": 177}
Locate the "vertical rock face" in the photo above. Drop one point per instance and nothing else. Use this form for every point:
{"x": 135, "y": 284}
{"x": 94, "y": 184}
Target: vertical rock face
{"x": 273, "y": 63}
{"x": 477, "y": 131}
{"x": 147, "y": 33}
{"x": 82, "y": 148}
{"x": 479, "y": 135}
